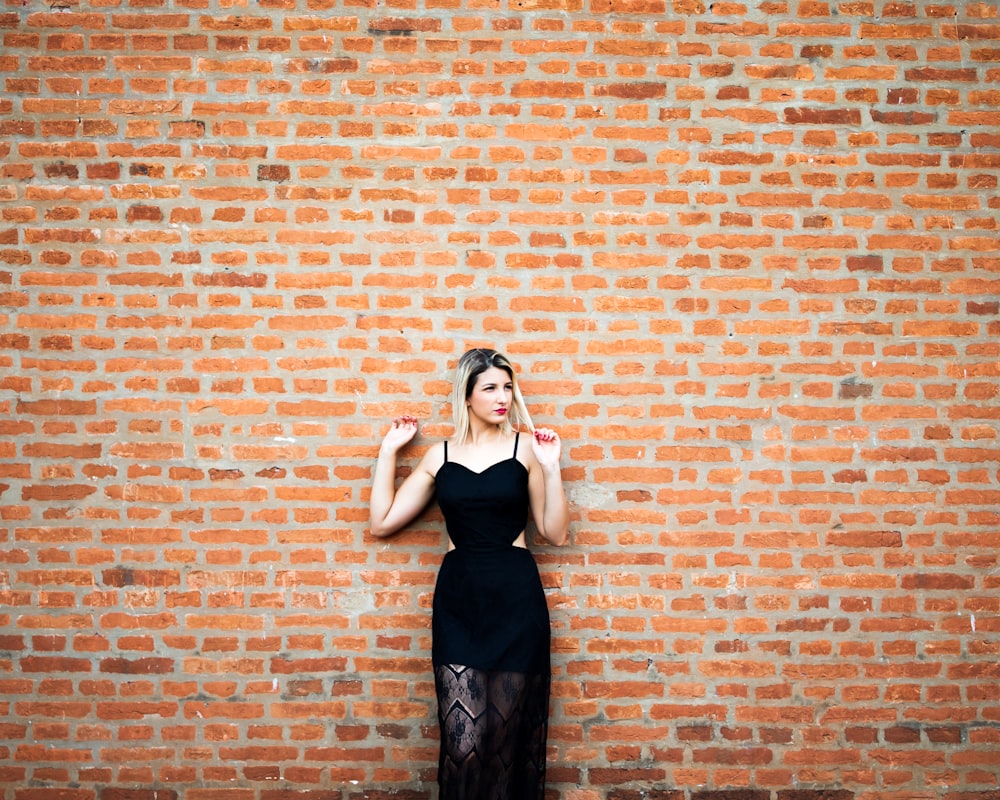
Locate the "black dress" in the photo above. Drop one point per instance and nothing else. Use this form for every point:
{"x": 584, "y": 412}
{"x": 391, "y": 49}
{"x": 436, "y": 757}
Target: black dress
{"x": 490, "y": 639}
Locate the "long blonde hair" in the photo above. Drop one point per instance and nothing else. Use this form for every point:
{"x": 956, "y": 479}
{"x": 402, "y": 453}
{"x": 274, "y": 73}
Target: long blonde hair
{"x": 470, "y": 366}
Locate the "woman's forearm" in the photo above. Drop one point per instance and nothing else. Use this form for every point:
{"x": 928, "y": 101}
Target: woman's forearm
{"x": 383, "y": 492}
{"x": 555, "y": 517}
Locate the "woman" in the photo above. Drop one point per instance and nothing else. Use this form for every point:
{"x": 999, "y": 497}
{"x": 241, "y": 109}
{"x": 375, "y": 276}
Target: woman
{"x": 490, "y": 625}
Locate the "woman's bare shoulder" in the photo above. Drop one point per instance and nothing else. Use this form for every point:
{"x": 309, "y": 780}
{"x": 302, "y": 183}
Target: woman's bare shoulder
{"x": 433, "y": 458}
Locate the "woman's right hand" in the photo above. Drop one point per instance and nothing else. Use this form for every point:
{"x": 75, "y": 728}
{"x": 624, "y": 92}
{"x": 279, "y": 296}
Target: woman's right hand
{"x": 400, "y": 434}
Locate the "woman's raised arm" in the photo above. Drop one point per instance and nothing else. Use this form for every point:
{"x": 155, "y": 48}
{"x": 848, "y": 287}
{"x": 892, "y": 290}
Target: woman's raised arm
{"x": 392, "y": 509}
{"x": 545, "y": 486}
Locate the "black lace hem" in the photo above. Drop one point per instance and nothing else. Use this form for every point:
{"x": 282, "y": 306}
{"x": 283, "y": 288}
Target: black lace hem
{"x": 493, "y": 732}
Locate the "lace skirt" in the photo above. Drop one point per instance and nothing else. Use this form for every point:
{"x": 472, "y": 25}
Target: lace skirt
{"x": 491, "y": 671}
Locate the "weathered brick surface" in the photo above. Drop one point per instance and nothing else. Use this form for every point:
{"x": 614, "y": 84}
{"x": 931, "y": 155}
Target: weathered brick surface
{"x": 747, "y": 256}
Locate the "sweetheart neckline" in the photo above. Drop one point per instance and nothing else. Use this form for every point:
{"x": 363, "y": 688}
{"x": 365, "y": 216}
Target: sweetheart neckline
{"x": 484, "y": 471}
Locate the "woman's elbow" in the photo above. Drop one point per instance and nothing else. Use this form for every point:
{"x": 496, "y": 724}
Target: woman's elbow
{"x": 558, "y": 537}
{"x": 380, "y": 530}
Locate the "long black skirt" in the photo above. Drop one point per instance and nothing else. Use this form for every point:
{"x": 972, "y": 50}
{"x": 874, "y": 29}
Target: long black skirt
{"x": 491, "y": 640}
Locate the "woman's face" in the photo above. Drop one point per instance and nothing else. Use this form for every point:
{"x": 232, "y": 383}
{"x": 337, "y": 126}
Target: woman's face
{"x": 491, "y": 396}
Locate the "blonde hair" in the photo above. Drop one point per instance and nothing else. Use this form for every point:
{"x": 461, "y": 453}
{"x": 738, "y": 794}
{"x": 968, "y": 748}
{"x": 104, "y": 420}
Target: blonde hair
{"x": 470, "y": 366}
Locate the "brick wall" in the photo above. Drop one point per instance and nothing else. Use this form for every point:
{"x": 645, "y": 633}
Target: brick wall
{"x": 746, "y": 255}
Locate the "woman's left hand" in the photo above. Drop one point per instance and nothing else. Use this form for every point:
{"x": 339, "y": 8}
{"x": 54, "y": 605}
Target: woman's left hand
{"x": 546, "y": 446}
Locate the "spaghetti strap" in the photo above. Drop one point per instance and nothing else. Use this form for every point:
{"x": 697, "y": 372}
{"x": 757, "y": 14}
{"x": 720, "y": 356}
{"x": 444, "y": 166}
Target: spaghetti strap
{"x": 445, "y": 451}
{"x": 517, "y": 435}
